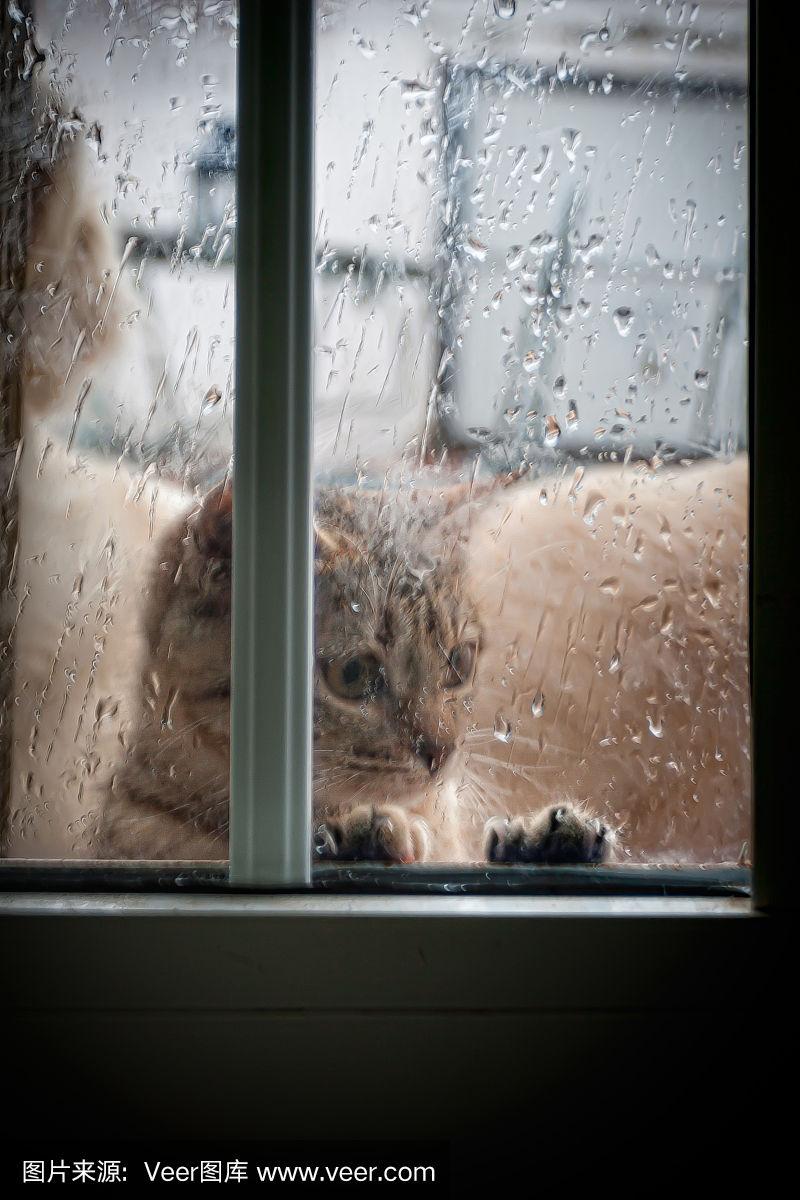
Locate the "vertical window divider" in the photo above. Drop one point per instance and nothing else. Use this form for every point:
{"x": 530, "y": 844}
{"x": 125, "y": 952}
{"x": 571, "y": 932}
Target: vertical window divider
{"x": 270, "y": 808}
{"x": 774, "y": 640}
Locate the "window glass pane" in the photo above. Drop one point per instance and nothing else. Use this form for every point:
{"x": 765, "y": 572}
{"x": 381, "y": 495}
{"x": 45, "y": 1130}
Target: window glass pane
{"x": 530, "y": 408}
{"x": 118, "y": 697}
{"x": 530, "y": 422}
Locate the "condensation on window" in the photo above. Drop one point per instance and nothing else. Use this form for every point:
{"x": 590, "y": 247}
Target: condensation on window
{"x": 530, "y": 363}
{"x": 115, "y": 676}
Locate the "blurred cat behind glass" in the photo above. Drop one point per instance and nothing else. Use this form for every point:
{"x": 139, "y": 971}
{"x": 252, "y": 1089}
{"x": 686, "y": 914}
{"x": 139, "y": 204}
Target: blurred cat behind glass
{"x": 505, "y": 659}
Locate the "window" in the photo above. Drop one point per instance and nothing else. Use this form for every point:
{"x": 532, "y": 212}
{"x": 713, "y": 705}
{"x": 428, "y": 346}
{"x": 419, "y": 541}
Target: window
{"x": 529, "y": 258}
{"x": 281, "y": 991}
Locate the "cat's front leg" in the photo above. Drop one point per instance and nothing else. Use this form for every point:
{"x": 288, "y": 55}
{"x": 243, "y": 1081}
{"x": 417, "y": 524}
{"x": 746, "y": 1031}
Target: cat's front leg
{"x": 372, "y": 833}
{"x": 560, "y": 834}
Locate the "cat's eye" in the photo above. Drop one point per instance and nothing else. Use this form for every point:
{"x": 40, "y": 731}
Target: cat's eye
{"x": 460, "y": 665}
{"x": 353, "y": 676}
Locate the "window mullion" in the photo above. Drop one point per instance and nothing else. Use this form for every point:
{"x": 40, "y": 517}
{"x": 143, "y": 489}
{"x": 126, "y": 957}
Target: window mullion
{"x": 270, "y": 813}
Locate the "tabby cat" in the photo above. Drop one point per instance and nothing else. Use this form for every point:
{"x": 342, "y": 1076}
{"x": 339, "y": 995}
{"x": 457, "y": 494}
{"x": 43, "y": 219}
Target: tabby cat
{"x": 558, "y": 670}
{"x": 397, "y": 641}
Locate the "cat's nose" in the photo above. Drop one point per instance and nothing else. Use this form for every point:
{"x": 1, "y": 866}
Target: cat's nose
{"x": 433, "y": 754}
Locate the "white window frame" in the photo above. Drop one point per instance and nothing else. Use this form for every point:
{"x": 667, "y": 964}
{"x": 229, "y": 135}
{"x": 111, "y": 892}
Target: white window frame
{"x": 272, "y": 660}
{"x": 270, "y": 805}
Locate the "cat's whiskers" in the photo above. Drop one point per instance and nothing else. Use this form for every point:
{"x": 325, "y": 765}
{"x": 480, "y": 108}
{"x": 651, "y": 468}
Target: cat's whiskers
{"x": 222, "y": 832}
{"x": 485, "y": 792}
{"x": 521, "y": 772}
{"x": 203, "y": 806}
{"x": 180, "y": 733}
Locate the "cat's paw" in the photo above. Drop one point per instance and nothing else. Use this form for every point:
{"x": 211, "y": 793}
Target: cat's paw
{"x": 372, "y": 833}
{"x": 561, "y": 834}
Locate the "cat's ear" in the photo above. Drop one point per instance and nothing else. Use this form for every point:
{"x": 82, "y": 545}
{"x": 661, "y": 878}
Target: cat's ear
{"x": 333, "y": 513}
{"x": 212, "y": 524}
{"x": 330, "y": 547}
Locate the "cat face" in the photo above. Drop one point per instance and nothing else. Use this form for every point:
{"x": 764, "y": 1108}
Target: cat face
{"x": 396, "y": 645}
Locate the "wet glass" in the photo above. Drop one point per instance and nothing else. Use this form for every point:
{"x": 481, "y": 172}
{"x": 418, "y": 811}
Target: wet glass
{"x": 116, "y": 690}
{"x": 530, "y": 432}
{"x": 530, "y": 416}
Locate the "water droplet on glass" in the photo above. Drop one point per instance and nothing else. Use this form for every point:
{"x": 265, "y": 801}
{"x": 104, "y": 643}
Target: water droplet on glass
{"x": 594, "y": 502}
{"x": 712, "y": 590}
{"x": 552, "y": 430}
{"x": 647, "y": 604}
{"x": 542, "y": 244}
{"x": 514, "y": 257}
{"x": 544, "y": 162}
{"x": 537, "y": 707}
{"x": 655, "y": 725}
{"x": 505, "y": 9}
{"x": 570, "y": 141}
{"x": 701, "y": 378}
{"x": 476, "y": 249}
{"x": 502, "y": 729}
{"x": 623, "y": 320}
{"x": 414, "y": 90}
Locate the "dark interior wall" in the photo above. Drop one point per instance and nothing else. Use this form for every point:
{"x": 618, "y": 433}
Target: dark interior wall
{"x": 525, "y": 1040}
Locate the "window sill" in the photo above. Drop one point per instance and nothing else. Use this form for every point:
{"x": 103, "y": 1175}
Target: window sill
{"x": 426, "y": 881}
{"x": 304, "y": 953}
{"x": 298, "y": 905}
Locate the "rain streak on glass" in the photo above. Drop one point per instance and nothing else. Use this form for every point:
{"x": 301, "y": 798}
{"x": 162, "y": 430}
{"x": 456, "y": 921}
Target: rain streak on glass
{"x": 530, "y": 344}
{"x": 127, "y": 394}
